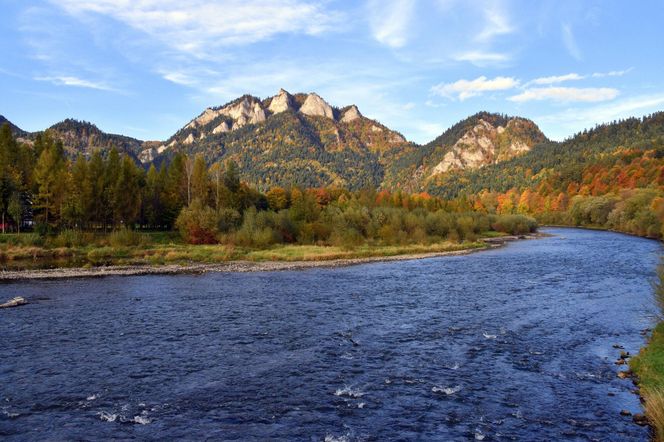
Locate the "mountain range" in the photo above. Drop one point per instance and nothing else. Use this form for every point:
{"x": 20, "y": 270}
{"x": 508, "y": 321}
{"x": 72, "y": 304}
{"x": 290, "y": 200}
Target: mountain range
{"x": 300, "y": 139}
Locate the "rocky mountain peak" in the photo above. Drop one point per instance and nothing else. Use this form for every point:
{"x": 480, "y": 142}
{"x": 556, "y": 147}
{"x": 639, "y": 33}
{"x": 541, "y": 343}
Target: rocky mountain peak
{"x": 485, "y": 143}
{"x": 281, "y": 102}
{"x": 314, "y": 105}
{"x": 351, "y": 114}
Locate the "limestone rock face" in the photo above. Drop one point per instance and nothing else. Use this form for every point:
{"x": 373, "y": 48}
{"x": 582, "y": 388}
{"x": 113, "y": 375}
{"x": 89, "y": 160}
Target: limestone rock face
{"x": 147, "y": 155}
{"x": 247, "y": 111}
{"x": 189, "y": 139}
{"x": 314, "y": 105}
{"x": 485, "y": 144}
{"x": 352, "y": 114}
{"x": 280, "y": 102}
{"x": 223, "y": 127}
{"x": 203, "y": 119}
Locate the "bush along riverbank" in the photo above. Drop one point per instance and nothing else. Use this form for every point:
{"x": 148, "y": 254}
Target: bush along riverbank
{"x": 648, "y": 368}
{"x": 294, "y": 225}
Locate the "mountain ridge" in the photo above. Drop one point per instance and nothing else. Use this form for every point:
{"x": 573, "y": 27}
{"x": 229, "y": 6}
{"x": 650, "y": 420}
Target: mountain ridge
{"x": 300, "y": 139}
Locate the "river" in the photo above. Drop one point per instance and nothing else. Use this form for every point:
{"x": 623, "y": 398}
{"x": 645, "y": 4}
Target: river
{"x": 509, "y": 344}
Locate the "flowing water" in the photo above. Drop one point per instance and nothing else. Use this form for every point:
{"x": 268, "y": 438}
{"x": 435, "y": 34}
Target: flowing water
{"x": 509, "y": 344}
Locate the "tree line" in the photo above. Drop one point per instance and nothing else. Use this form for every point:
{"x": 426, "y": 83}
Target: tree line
{"x": 43, "y": 189}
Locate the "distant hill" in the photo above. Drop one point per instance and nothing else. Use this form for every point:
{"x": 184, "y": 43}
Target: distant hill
{"x": 16, "y": 131}
{"x": 478, "y": 141}
{"x": 555, "y": 166}
{"x": 83, "y": 137}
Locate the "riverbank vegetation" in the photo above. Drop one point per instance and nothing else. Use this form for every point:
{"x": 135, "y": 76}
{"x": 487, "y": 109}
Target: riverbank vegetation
{"x": 648, "y": 367}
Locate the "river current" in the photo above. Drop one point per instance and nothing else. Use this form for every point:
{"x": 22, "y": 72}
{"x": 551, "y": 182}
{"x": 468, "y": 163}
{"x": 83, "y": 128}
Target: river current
{"x": 515, "y": 343}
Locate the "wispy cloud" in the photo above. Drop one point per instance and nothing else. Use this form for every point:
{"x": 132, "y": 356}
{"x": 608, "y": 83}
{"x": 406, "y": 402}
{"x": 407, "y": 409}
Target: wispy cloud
{"x": 464, "y": 89}
{"x": 554, "y": 79}
{"x": 199, "y": 27}
{"x": 482, "y": 58}
{"x": 570, "y": 41}
{"x": 612, "y": 73}
{"x": 561, "y": 124}
{"x": 566, "y": 94}
{"x": 65, "y": 80}
{"x": 390, "y": 20}
{"x": 497, "y": 23}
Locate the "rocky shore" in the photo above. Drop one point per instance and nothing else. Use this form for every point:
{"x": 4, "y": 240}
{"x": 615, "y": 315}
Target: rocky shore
{"x": 235, "y": 266}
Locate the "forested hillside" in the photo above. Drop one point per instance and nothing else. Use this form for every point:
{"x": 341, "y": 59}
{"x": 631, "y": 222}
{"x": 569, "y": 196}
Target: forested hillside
{"x": 610, "y": 176}
{"x": 289, "y": 140}
{"x": 81, "y": 137}
{"x": 16, "y": 131}
{"x": 301, "y": 140}
{"x": 479, "y": 140}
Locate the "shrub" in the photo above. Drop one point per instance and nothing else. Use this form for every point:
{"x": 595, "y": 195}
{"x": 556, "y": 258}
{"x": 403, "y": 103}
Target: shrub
{"x": 198, "y": 224}
{"x": 22, "y": 239}
{"x": 228, "y": 219}
{"x": 69, "y": 238}
{"x": 125, "y": 237}
{"x": 348, "y": 238}
{"x": 513, "y": 224}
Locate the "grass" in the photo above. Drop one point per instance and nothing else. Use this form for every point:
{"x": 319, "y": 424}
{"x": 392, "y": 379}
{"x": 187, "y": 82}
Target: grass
{"x": 130, "y": 248}
{"x": 323, "y": 253}
{"x": 648, "y": 366}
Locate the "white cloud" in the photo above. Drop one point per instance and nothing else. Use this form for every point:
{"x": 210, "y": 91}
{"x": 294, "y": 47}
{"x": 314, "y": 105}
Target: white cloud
{"x": 612, "y": 73}
{"x": 557, "y": 79}
{"x": 199, "y": 26}
{"x": 463, "y": 89}
{"x": 390, "y": 20}
{"x": 566, "y": 94}
{"x": 562, "y": 124}
{"x": 178, "y": 77}
{"x": 570, "y": 41}
{"x": 482, "y": 58}
{"x": 64, "y": 80}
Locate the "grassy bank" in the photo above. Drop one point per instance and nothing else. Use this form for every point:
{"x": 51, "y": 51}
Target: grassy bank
{"x": 648, "y": 367}
{"x": 28, "y": 251}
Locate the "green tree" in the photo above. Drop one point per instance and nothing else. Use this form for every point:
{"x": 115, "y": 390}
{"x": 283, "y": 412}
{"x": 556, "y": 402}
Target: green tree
{"x": 50, "y": 180}
{"x": 127, "y": 194}
{"x": 15, "y": 209}
{"x": 200, "y": 181}
{"x": 232, "y": 176}
{"x": 94, "y": 196}
{"x": 277, "y": 198}
{"x": 152, "y": 199}
{"x": 114, "y": 195}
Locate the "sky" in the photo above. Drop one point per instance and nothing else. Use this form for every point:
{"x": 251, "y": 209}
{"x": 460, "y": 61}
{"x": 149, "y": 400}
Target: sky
{"x": 144, "y": 68}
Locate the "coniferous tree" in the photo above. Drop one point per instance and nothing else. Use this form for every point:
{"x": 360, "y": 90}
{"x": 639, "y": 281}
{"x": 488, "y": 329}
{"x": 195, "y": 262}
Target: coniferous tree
{"x": 50, "y": 181}
{"x": 200, "y": 182}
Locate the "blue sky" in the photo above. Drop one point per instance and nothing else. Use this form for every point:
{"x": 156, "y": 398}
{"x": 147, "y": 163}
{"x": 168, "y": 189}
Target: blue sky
{"x": 144, "y": 68}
